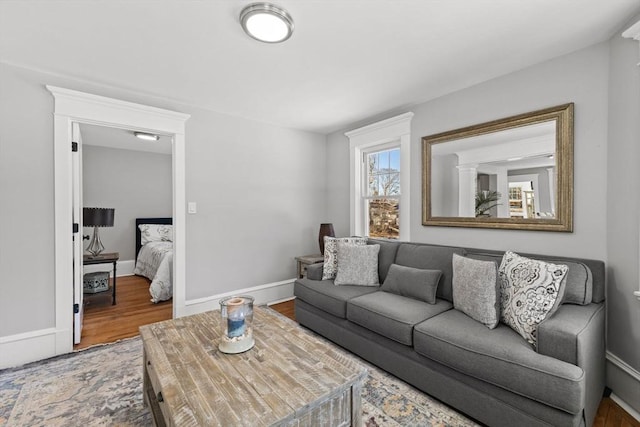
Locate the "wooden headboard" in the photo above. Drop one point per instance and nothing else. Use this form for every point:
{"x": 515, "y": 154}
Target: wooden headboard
{"x": 148, "y": 221}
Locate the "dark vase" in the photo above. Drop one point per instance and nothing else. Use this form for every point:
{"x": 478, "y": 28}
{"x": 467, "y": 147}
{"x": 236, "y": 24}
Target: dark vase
{"x": 325, "y": 230}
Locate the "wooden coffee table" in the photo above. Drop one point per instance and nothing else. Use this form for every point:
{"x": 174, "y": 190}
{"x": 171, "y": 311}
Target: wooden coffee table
{"x": 290, "y": 377}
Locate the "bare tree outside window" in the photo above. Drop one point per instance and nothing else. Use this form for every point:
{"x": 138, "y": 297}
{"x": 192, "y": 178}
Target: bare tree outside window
{"x": 383, "y": 193}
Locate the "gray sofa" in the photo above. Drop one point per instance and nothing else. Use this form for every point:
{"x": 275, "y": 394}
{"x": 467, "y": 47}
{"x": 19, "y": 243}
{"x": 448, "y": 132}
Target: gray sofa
{"x": 491, "y": 375}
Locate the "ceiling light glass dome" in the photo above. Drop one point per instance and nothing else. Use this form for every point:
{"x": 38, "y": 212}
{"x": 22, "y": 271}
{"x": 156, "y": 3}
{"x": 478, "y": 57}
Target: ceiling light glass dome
{"x": 266, "y": 22}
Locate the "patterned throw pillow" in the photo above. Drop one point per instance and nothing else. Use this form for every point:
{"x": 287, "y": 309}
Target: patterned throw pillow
{"x": 331, "y": 254}
{"x": 531, "y": 290}
{"x": 155, "y": 233}
{"x": 475, "y": 289}
{"x": 357, "y": 265}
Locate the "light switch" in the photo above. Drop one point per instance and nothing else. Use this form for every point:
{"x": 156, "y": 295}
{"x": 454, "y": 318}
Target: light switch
{"x": 191, "y": 207}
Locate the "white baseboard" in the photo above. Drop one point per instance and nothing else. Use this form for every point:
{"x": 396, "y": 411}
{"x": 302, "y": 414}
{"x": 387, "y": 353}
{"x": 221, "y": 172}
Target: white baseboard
{"x": 123, "y": 268}
{"x": 263, "y": 294}
{"x": 635, "y": 414}
{"x": 18, "y": 349}
{"x": 627, "y": 379}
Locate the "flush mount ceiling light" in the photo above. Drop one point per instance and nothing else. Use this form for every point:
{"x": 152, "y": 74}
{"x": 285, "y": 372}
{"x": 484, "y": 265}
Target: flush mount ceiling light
{"x": 146, "y": 136}
{"x": 266, "y": 22}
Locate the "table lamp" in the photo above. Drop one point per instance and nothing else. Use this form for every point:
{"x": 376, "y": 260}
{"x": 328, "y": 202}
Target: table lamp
{"x": 97, "y": 217}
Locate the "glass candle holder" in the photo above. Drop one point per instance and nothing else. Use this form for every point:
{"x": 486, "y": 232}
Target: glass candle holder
{"x": 237, "y": 319}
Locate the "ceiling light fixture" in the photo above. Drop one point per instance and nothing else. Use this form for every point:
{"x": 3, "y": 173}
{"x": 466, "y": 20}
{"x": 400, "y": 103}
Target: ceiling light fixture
{"x": 266, "y": 22}
{"x": 146, "y": 136}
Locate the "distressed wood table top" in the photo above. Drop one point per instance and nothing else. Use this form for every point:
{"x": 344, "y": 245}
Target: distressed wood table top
{"x": 290, "y": 377}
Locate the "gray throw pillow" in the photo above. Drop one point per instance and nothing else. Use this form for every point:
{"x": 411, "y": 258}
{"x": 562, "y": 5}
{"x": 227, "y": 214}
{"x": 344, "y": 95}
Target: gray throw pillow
{"x": 357, "y": 265}
{"x": 412, "y": 282}
{"x": 530, "y": 291}
{"x": 330, "y": 267}
{"x": 475, "y": 289}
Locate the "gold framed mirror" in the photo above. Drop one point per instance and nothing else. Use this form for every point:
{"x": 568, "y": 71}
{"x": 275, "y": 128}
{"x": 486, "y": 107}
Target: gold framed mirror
{"x": 511, "y": 173}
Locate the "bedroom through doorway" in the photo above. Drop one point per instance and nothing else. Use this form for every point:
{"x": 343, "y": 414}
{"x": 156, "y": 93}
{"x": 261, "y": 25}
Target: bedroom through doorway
{"x": 133, "y": 178}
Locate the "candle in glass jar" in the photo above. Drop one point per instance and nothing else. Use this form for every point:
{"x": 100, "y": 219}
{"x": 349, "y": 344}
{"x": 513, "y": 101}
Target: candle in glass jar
{"x": 235, "y": 320}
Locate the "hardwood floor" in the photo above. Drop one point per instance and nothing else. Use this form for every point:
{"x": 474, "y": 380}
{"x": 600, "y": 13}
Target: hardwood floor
{"x": 610, "y": 414}
{"x": 105, "y": 323}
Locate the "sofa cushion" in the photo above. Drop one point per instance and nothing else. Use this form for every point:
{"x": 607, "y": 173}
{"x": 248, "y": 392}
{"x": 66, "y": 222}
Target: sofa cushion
{"x": 328, "y": 297}
{"x": 501, "y": 357}
{"x": 578, "y": 281}
{"x": 330, "y": 267}
{"x": 412, "y": 282}
{"x": 357, "y": 265}
{"x": 475, "y": 289}
{"x": 432, "y": 258}
{"x": 391, "y": 315}
{"x": 530, "y": 291}
{"x": 386, "y": 257}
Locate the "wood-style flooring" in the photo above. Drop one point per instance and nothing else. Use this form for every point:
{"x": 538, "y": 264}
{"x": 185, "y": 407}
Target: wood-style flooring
{"x": 106, "y": 323}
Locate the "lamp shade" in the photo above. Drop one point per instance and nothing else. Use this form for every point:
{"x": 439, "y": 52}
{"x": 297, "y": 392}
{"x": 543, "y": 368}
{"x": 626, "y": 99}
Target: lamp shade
{"x": 98, "y": 217}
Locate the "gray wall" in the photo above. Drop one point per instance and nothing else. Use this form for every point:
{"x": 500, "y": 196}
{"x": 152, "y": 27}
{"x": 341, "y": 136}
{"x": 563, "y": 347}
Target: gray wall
{"x": 260, "y": 191}
{"x": 137, "y": 184}
{"x": 581, "y": 77}
{"x": 603, "y": 82}
{"x": 623, "y": 204}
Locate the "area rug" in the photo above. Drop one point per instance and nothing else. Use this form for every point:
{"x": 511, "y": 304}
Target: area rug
{"x": 102, "y": 386}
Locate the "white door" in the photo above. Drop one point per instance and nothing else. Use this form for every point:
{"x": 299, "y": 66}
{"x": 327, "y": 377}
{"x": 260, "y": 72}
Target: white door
{"x": 76, "y": 160}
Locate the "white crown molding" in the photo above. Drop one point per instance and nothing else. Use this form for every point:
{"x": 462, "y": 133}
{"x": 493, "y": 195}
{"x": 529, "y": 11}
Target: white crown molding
{"x": 633, "y": 32}
{"x": 399, "y": 125}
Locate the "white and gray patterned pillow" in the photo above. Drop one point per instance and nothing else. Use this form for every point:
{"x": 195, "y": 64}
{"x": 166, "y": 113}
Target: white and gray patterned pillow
{"x": 330, "y": 267}
{"x": 357, "y": 265}
{"x": 475, "y": 289}
{"x": 155, "y": 233}
{"x": 530, "y": 291}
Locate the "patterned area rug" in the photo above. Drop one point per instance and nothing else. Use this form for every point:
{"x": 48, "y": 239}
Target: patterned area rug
{"x": 102, "y": 386}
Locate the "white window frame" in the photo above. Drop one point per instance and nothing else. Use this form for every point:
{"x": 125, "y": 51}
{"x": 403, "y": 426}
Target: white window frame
{"x": 392, "y": 132}
{"x": 633, "y": 32}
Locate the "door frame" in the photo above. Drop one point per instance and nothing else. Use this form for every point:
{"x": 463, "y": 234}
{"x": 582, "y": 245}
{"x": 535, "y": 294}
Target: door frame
{"x": 70, "y": 107}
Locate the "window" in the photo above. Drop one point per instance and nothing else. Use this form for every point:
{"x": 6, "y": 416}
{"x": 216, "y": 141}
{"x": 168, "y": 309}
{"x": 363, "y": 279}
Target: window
{"x": 382, "y": 199}
{"x": 379, "y": 171}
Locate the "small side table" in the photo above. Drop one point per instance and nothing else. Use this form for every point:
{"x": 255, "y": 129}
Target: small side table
{"x": 305, "y": 260}
{"x": 104, "y": 258}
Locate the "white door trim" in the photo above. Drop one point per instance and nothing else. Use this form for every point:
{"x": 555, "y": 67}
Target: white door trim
{"x": 77, "y": 107}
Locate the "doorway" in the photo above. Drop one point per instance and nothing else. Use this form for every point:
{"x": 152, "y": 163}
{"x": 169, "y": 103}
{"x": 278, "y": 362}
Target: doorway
{"x": 130, "y": 177}
{"x": 82, "y": 108}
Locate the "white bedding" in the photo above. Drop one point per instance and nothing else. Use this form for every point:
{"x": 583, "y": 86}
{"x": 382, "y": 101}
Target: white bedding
{"x": 155, "y": 262}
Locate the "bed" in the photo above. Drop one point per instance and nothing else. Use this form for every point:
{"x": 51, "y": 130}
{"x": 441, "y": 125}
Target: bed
{"x": 154, "y": 255}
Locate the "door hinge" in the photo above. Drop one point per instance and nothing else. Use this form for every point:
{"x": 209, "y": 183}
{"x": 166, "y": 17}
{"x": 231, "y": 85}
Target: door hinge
{"x": 74, "y": 147}
{"x": 76, "y": 227}
{"x": 76, "y": 308}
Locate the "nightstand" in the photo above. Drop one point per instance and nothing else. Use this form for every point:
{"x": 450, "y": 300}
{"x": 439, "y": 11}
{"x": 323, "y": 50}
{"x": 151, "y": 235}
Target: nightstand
{"x": 305, "y": 260}
{"x": 104, "y": 258}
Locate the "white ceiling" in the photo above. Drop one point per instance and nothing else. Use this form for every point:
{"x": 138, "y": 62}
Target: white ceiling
{"x": 346, "y": 61}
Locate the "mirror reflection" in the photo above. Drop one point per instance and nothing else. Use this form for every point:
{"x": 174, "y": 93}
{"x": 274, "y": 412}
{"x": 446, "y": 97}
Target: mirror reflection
{"x": 507, "y": 174}
{"x": 515, "y": 172}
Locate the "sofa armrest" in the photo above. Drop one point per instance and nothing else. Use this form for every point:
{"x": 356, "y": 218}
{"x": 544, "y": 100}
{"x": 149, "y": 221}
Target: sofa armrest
{"x": 575, "y": 334}
{"x": 314, "y": 271}
{"x": 572, "y": 332}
